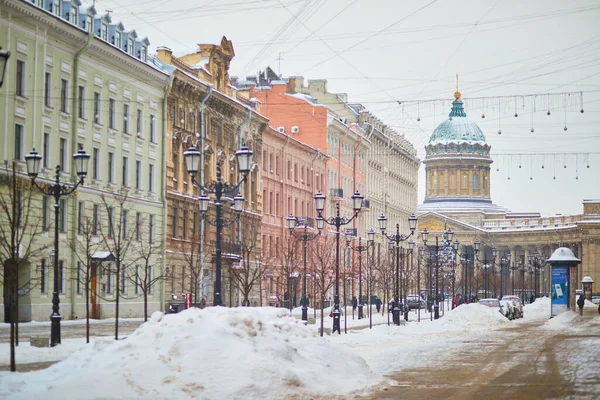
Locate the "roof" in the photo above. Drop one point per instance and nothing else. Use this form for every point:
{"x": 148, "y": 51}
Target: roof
{"x": 457, "y": 128}
{"x": 563, "y": 255}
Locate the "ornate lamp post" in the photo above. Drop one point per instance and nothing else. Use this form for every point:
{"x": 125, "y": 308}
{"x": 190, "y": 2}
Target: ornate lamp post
{"x": 536, "y": 261}
{"x": 219, "y": 188}
{"x": 336, "y": 221}
{"x": 305, "y": 237}
{"x": 464, "y": 257}
{"x": 504, "y": 261}
{"x": 396, "y": 239}
{"x": 57, "y": 190}
{"x": 4, "y": 56}
{"x": 360, "y": 248}
{"x": 447, "y": 239}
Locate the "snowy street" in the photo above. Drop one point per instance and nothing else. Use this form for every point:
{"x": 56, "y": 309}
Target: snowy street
{"x": 221, "y": 353}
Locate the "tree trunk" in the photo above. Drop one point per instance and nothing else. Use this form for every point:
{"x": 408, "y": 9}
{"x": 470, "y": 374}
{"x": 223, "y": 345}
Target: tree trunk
{"x": 117, "y": 302}
{"x": 87, "y": 309}
{"x": 145, "y": 305}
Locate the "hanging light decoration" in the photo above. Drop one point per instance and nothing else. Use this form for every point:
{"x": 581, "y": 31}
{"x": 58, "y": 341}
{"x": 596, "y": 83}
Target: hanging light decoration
{"x": 581, "y": 101}
{"x": 548, "y": 113}
{"x": 532, "y": 112}
{"x": 499, "y": 118}
{"x": 418, "y": 111}
{"x": 516, "y": 114}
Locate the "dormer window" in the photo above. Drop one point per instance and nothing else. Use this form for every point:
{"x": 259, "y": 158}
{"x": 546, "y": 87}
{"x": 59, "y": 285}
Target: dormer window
{"x": 88, "y": 23}
{"x": 74, "y": 16}
{"x": 104, "y": 32}
{"x": 56, "y": 5}
{"x": 117, "y": 39}
{"x": 130, "y": 47}
{"x": 143, "y": 54}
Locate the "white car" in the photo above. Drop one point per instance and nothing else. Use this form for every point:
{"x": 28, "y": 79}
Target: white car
{"x": 596, "y": 299}
{"x": 509, "y": 309}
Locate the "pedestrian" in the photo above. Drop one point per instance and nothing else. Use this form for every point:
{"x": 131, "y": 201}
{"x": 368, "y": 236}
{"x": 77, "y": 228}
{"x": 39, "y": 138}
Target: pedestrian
{"x": 354, "y": 303}
{"x": 581, "y": 303}
{"x": 203, "y": 303}
{"x": 378, "y": 304}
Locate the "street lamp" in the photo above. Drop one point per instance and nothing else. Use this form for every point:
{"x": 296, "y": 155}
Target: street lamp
{"x": 57, "y": 190}
{"x": 360, "y": 248}
{"x": 536, "y": 261}
{"x": 394, "y": 243}
{"x": 336, "y": 221}
{"x": 192, "y": 162}
{"x": 504, "y": 261}
{"x": 447, "y": 242}
{"x": 305, "y": 237}
{"x": 4, "y": 56}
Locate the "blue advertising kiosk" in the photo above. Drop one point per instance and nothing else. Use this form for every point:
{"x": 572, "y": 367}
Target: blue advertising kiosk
{"x": 564, "y": 276}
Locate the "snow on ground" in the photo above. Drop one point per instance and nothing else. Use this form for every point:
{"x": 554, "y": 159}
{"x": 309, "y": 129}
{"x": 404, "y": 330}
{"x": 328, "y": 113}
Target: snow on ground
{"x": 212, "y": 353}
{"x": 538, "y": 310}
{"x": 28, "y": 354}
{"x": 4, "y": 325}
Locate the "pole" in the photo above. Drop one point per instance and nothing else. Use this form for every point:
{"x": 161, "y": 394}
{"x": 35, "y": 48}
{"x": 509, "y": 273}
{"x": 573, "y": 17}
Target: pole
{"x": 304, "y": 306}
{"x": 396, "y": 311}
{"x": 419, "y": 285}
{"x": 360, "y": 306}
{"x": 219, "y": 226}
{"x": 55, "y": 318}
{"x": 336, "y": 294}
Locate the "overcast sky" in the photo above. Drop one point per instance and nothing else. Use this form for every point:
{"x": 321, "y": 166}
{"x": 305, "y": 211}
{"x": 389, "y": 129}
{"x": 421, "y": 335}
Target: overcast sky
{"x": 382, "y": 52}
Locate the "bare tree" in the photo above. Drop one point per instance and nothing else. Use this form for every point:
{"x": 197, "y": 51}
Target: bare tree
{"x": 322, "y": 260}
{"x": 283, "y": 261}
{"x": 385, "y": 274}
{"x": 84, "y": 248}
{"x": 147, "y": 254}
{"x": 251, "y": 268}
{"x": 117, "y": 239}
{"x": 19, "y": 227}
{"x": 194, "y": 260}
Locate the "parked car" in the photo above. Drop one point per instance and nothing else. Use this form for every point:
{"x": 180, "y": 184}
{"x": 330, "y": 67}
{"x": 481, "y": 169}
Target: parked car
{"x": 509, "y": 309}
{"x": 415, "y": 302}
{"x": 490, "y": 302}
{"x": 596, "y": 299}
{"x": 517, "y": 300}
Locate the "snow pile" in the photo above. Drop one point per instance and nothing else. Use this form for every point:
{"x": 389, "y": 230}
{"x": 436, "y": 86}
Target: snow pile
{"x": 589, "y": 304}
{"x": 564, "y": 321}
{"x": 539, "y": 309}
{"x": 474, "y": 315}
{"x": 216, "y": 353}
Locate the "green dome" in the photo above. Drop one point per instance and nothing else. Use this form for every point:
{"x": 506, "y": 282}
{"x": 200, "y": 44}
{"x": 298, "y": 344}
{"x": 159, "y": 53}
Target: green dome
{"x": 457, "y": 128}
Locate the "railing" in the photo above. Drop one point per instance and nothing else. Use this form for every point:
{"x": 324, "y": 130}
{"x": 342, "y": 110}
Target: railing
{"x": 309, "y": 221}
{"x": 532, "y": 223}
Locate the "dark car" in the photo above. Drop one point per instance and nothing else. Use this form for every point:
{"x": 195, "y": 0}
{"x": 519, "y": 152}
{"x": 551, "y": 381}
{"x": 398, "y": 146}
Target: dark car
{"x": 415, "y": 302}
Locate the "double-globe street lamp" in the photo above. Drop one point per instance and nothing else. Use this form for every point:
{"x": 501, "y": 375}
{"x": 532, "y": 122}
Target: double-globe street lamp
{"x": 395, "y": 240}
{"x": 57, "y": 190}
{"x": 305, "y": 236}
{"x": 192, "y": 162}
{"x": 447, "y": 240}
{"x": 337, "y": 221}
{"x": 360, "y": 248}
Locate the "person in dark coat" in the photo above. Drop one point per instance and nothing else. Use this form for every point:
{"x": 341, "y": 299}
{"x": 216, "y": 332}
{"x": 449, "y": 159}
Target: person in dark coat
{"x": 581, "y": 303}
{"x": 378, "y": 304}
{"x": 354, "y": 303}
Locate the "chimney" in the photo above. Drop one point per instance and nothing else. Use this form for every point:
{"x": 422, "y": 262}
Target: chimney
{"x": 164, "y": 54}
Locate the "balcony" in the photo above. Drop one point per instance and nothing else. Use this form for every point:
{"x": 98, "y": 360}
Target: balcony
{"x": 229, "y": 250}
{"x": 309, "y": 221}
{"x": 366, "y": 204}
{"x": 336, "y": 194}
{"x": 351, "y": 231}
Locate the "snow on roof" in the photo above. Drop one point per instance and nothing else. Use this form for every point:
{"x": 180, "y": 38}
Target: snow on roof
{"x": 305, "y": 97}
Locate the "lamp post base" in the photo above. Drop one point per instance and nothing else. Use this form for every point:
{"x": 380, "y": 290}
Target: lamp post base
{"x": 336, "y": 320}
{"x": 304, "y": 313}
{"x": 360, "y": 311}
{"x": 436, "y": 311}
{"x": 396, "y": 315}
{"x": 55, "y": 329}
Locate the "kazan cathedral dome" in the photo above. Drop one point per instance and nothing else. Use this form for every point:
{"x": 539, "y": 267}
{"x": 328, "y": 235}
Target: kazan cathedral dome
{"x": 457, "y": 167}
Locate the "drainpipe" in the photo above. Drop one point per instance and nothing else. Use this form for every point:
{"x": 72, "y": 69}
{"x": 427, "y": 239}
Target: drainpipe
{"x": 202, "y": 135}
{"x": 163, "y": 186}
{"x": 340, "y": 159}
{"x": 75, "y": 202}
{"x": 239, "y": 221}
{"x": 7, "y": 73}
{"x": 283, "y": 179}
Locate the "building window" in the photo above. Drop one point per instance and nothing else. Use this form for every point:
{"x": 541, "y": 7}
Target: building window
{"x": 151, "y": 223}
{"x": 47, "y": 89}
{"x": 96, "y": 164}
{"x": 111, "y": 113}
{"x": 151, "y": 178}
{"x": 62, "y": 215}
{"x": 137, "y": 280}
{"x": 111, "y": 167}
{"x": 80, "y": 217}
{"x": 79, "y": 277}
{"x": 149, "y": 278}
{"x": 143, "y": 53}
{"x": 174, "y": 223}
{"x": 43, "y": 276}
{"x": 125, "y": 177}
{"x": 138, "y": 174}
{"x": 97, "y": 109}
{"x": 81, "y": 102}
{"x": 57, "y": 7}
{"x": 117, "y": 39}
{"x": 130, "y": 47}
{"x": 96, "y": 220}
{"x": 62, "y": 277}
{"x": 125, "y": 118}
{"x": 124, "y": 279}
{"x": 109, "y": 279}
{"x": 111, "y": 222}
{"x": 18, "y": 142}
{"x": 62, "y": 157}
{"x": 152, "y": 128}
{"x": 139, "y": 123}
{"x": 125, "y": 224}
{"x": 104, "y": 32}
{"x": 138, "y": 226}
{"x": 64, "y": 92}
{"x": 20, "y": 84}
{"x": 45, "y": 215}
{"x": 475, "y": 179}
{"x": 73, "y": 16}
{"x": 184, "y": 229}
